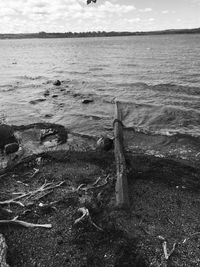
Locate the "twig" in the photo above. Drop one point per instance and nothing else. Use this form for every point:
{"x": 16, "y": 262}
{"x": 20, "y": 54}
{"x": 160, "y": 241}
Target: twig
{"x": 24, "y": 224}
{"x": 186, "y": 239}
{"x": 79, "y": 187}
{"x": 93, "y": 185}
{"x": 96, "y": 182}
{"x": 86, "y": 215}
{"x": 11, "y": 201}
{"x": 166, "y": 254}
{"x": 44, "y": 187}
{"x": 35, "y": 172}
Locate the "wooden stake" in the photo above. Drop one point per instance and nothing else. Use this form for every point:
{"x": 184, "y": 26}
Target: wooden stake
{"x": 121, "y": 188}
{"x": 3, "y": 252}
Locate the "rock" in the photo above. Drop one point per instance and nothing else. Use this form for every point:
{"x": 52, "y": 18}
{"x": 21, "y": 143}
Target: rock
{"x": 87, "y": 101}
{"x": 34, "y": 102}
{"x": 46, "y": 93}
{"x": 105, "y": 143}
{"x": 57, "y": 83}
{"x": 48, "y": 116}
{"x": 54, "y": 96}
{"x": 6, "y": 135}
{"x": 76, "y": 95}
{"x": 11, "y": 148}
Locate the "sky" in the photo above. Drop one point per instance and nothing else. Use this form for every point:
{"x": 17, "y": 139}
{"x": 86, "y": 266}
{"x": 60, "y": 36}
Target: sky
{"x": 28, "y": 16}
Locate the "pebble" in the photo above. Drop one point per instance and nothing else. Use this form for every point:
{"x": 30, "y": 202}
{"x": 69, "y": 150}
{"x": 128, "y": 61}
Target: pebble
{"x": 87, "y": 101}
{"x": 11, "y": 148}
{"x": 57, "y": 83}
{"x": 34, "y": 102}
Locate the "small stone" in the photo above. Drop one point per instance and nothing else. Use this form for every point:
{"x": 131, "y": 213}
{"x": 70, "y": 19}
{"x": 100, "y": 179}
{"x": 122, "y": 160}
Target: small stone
{"x": 6, "y": 135}
{"x": 46, "y": 93}
{"x": 34, "y": 102}
{"x": 11, "y": 148}
{"x": 48, "y": 116}
{"x": 54, "y": 96}
{"x": 87, "y": 101}
{"x": 57, "y": 83}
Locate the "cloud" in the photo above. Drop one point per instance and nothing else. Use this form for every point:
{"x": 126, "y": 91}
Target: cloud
{"x": 165, "y": 11}
{"x": 147, "y": 9}
{"x": 59, "y": 15}
{"x": 151, "y": 19}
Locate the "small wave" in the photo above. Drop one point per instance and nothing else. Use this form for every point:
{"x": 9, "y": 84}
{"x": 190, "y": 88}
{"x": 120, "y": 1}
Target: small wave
{"x": 91, "y": 116}
{"x": 169, "y": 88}
{"x": 95, "y": 69}
{"x": 174, "y": 135}
{"x": 160, "y": 118}
{"x": 78, "y": 72}
{"x": 7, "y": 88}
{"x": 178, "y": 146}
{"x": 25, "y": 77}
{"x": 130, "y": 65}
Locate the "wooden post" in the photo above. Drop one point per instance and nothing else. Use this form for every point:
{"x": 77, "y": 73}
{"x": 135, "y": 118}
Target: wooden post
{"x": 121, "y": 188}
{"x": 3, "y": 252}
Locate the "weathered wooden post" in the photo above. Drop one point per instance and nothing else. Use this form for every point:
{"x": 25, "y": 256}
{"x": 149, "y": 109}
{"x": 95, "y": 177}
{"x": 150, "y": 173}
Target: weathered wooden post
{"x": 121, "y": 188}
{"x": 3, "y": 252}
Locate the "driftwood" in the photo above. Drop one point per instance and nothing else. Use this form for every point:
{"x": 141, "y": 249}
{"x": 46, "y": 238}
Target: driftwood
{"x": 121, "y": 188}
{"x": 3, "y": 252}
{"x": 95, "y": 185}
{"x": 24, "y": 224}
{"x": 44, "y": 187}
{"x": 86, "y": 216}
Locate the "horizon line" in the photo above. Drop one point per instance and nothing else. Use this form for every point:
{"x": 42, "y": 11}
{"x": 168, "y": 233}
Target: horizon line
{"x": 102, "y": 31}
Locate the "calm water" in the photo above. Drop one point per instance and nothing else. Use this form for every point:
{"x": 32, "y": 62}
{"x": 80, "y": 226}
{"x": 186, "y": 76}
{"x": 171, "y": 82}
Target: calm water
{"x": 157, "y": 79}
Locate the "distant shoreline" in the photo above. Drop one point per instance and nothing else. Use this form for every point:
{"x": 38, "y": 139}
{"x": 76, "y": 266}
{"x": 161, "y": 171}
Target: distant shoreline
{"x": 95, "y": 34}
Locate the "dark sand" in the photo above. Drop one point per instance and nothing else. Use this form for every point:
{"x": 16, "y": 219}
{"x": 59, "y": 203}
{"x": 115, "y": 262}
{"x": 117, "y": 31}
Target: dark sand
{"x": 165, "y": 202}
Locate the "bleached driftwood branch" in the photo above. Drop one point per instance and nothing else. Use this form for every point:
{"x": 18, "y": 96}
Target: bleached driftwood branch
{"x": 44, "y": 187}
{"x": 86, "y": 215}
{"x": 24, "y": 224}
{"x": 95, "y": 185}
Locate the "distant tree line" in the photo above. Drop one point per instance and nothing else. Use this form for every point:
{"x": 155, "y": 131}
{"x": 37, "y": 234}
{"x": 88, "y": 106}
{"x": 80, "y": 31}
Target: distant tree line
{"x": 93, "y": 34}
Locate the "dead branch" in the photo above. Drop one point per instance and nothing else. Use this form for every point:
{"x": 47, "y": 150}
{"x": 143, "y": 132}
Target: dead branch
{"x": 36, "y": 171}
{"x": 96, "y": 182}
{"x": 86, "y": 215}
{"x": 166, "y": 254}
{"x": 24, "y": 224}
{"x": 79, "y": 187}
{"x": 93, "y": 186}
{"x": 11, "y": 201}
{"x": 44, "y": 187}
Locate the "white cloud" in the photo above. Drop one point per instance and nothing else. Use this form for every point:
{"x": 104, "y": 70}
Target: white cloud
{"x": 165, "y": 11}
{"x": 147, "y": 9}
{"x": 59, "y": 15}
{"x": 151, "y": 19}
